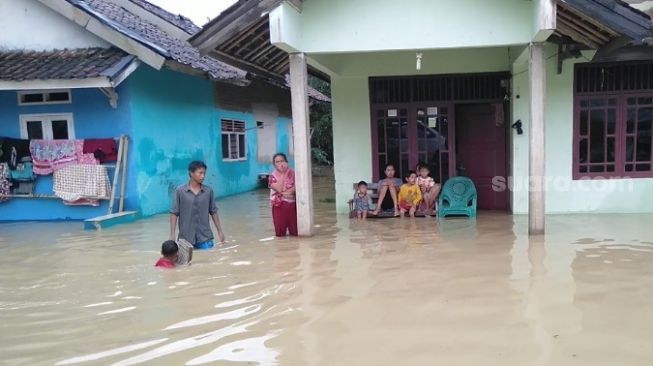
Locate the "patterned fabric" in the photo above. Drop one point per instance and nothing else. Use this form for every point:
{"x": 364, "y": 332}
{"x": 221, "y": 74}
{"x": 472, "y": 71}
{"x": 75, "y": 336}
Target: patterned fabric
{"x": 4, "y": 184}
{"x": 364, "y": 203}
{"x": 51, "y": 155}
{"x": 425, "y": 183}
{"x": 410, "y": 195}
{"x": 277, "y": 197}
{"x": 82, "y": 184}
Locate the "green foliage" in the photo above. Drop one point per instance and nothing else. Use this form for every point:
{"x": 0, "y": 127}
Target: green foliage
{"x": 321, "y": 125}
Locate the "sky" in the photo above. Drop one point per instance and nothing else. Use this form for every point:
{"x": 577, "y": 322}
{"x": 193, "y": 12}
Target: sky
{"x": 199, "y": 11}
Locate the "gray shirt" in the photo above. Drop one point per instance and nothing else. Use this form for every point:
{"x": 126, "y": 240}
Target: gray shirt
{"x": 193, "y": 211}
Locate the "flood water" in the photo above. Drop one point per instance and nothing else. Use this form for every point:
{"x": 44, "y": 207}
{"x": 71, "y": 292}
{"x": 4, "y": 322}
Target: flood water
{"x": 380, "y": 292}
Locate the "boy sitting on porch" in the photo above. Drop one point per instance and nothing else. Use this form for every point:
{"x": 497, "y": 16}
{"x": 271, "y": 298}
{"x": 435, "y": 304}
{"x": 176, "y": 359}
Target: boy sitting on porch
{"x": 410, "y": 195}
{"x": 362, "y": 201}
{"x": 389, "y": 184}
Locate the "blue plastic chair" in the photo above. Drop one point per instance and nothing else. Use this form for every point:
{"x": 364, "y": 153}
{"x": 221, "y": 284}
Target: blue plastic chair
{"x": 458, "y": 197}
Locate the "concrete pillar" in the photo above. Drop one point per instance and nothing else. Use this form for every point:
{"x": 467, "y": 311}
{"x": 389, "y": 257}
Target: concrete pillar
{"x": 302, "y": 143}
{"x": 536, "y": 167}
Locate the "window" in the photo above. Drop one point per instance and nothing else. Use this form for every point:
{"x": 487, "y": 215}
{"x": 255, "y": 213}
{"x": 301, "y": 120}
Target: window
{"x": 47, "y": 126}
{"x": 233, "y": 140}
{"x": 613, "y": 121}
{"x": 34, "y": 97}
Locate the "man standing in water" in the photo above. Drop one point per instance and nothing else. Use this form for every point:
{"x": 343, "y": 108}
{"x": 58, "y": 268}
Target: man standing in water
{"x": 191, "y": 207}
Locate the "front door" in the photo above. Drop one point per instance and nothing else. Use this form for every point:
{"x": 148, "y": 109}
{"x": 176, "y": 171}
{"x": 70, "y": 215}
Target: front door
{"x": 407, "y": 134}
{"x": 481, "y": 151}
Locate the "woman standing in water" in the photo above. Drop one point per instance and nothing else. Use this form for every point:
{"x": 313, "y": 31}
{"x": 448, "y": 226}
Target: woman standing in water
{"x": 282, "y": 196}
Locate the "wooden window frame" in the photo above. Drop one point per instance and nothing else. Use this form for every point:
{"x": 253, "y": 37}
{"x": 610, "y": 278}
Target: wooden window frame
{"x": 45, "y": 93}
{"x": 238, "y": 128}
{"x": 620, "y": 136}
{"x": 46, "y": 124}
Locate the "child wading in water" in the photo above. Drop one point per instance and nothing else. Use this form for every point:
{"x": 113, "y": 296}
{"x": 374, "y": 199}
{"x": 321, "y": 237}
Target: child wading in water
{"x": 362, "y": 201}
{"x": 410, "y": 195}
{"x": 430, "y": 190}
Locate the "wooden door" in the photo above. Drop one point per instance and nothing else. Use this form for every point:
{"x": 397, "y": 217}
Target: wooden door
{"x": 481, "y": 151}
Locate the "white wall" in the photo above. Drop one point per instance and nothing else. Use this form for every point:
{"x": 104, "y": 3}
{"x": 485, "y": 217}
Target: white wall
{"x": 565, "y": 195}
{"x": 333, "y": 26}
{"x": 351, "y": 103}
{"x": 30, "y": 25}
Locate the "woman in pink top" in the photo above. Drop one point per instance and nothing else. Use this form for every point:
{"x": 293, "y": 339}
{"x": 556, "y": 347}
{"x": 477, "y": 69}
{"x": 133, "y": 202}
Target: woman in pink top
{"x": 282, "y": 197}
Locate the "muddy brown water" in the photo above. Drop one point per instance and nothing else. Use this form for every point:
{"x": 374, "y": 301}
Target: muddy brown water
{"x": 380, "y": 292}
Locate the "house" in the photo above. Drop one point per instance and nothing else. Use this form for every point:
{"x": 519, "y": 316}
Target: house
{"x": 545, "y": 104}
{"x": 83, "y": 69}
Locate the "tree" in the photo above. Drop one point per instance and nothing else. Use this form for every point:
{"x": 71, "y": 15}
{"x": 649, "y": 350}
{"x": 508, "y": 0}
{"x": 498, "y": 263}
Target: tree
{"x": 321, "y": 125}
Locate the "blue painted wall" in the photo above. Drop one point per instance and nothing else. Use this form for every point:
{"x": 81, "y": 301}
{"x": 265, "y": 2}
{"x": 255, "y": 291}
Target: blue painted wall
{"x": 176, "y": 121}
{"x": 93, "y": 118}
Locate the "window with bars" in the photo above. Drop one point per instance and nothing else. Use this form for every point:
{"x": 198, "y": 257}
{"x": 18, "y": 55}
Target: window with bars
{"x": 234, "y": 147}
{"x": 612, "y": 125}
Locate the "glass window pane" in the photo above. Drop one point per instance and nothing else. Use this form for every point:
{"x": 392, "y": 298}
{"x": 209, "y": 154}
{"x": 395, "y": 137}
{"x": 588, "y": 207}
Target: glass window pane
{"x": 610, "y": 168}
{"x": 629, "y": 167}
{"x": 584, "y": 103}
{"x": 58, "y": 97}
{"x": 233, "y": 146}
{"x": 630, "y": 148}
{"x": 34, "y": 130}
{"x": 444, "y": 133}
{"x": 612, "y": 102}
{"x": 597, "y": 103}
{"x": 630, "y": 122}
{"x": 644, "y": 125}
{"x": 381, "y": 136}
{"x": 444, "y": 110}
{"x": 612, "y": 121}
{"x": 32, "y": 98}
{"x": 582, "y": 169}
{"x": 597, "y": 169}
{"x": 60, "y": 130}
{"x": 241, "y": 146}
{"x": 404, "y": 136}
{"x": 444, "y": 163}
{"x": 584, "y": 117}
{"x": 582, "y": 150}
{"x": 645, "y": 100}
{"x": 632, "y": 101}
{"x": 643, "y": 167}
{"x": 597, "y": 136}
{"x": 611, "y": 150}
{"x": 225, "y": 146}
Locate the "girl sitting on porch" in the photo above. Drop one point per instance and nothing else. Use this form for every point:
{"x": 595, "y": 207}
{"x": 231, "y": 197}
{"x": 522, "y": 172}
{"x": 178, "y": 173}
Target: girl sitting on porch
{"x": 430, "y": 189}
{"x": 388, "y": 185}
{"x": 282, "y": 196}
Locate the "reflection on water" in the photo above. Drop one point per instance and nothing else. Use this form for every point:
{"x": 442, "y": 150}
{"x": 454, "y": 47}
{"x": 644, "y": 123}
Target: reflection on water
{"x": 380, "y": 292}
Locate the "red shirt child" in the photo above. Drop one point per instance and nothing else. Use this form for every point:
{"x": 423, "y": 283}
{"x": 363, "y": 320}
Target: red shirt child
{"x": 170, "y": 253}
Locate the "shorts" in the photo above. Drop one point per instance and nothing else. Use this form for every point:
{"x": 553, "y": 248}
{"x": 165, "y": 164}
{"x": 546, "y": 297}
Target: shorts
{"x": 205, "y": 245}
{"x": 405, "y": 205}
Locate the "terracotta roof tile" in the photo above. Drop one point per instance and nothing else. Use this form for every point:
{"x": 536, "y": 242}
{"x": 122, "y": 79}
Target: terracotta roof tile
{"x": 62, "y": 64}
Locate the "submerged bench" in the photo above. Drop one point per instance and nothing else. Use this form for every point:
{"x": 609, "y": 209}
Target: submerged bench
{"x": 373, "y": 191}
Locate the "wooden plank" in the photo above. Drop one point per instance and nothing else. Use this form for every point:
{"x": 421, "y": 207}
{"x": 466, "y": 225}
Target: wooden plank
{"x": 583, "y": 27}
{"x": 627, "y": 12}
{"x": 571, "y": 12}
{"x": 121, "y": 205}
{"x": 115, "y": 175}
{"x": 576, "y": 36}
{"x": 247, "y": 66}
{"x": 227, "y": 26}
{"x": 608, "y": 17}
{"x": 536, "y": 147}
{"x": 302, "y": 143}
{"x": 234, "y": 41}
{"x": 106, "y": 221}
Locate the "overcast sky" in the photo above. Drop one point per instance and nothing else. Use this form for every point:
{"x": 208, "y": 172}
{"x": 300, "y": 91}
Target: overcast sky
{"x": 199, "y": 11}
